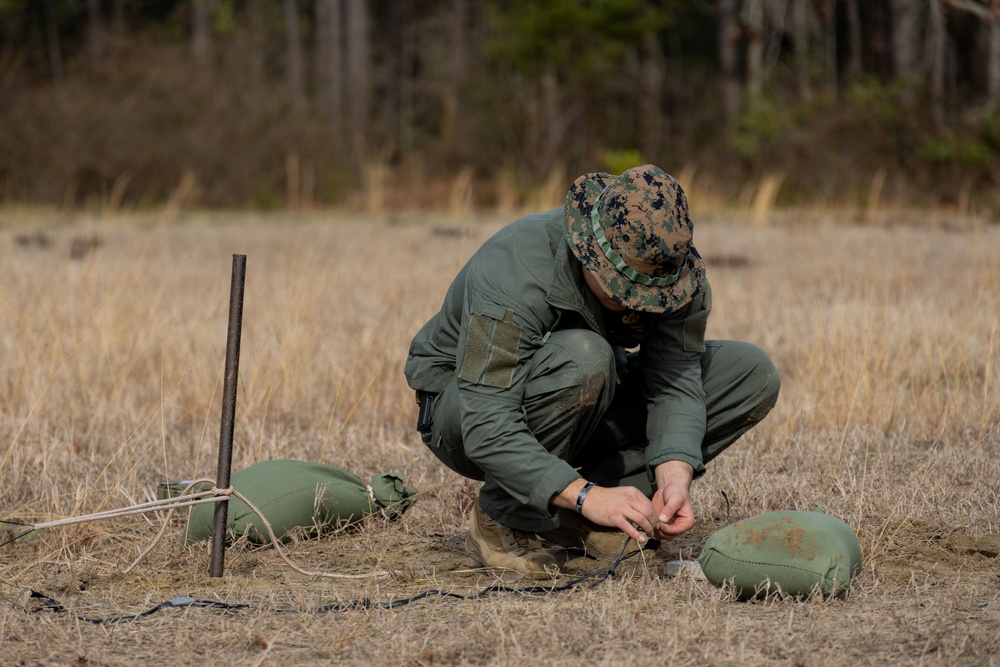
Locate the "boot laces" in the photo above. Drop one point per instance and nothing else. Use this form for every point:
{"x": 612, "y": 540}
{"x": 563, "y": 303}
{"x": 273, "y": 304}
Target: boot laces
{"x": 519, "y": 542}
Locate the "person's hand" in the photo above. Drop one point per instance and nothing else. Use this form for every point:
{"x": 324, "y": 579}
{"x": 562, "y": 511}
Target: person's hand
{"x": 672, "y": 500}
{"x": 623, "y": 507}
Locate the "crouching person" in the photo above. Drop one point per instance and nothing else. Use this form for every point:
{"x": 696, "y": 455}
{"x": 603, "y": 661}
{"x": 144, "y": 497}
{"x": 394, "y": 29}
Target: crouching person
{"x": 524, "y": 382}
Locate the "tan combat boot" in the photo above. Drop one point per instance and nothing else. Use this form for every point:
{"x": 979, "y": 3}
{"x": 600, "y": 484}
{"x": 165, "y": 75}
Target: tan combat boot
{"x": 505, "y": 549}
{"x": 576, "y": 532}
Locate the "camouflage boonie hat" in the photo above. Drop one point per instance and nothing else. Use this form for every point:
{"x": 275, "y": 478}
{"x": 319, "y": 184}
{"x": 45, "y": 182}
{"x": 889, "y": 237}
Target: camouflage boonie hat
{"x": 634, "y": 233}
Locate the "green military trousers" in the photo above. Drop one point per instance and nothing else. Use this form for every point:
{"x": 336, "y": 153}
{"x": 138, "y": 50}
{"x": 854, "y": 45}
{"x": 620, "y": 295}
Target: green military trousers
{"x": 603, "y": 433}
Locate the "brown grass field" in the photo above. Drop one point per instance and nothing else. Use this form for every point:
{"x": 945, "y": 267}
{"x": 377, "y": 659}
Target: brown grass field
{"x": 112, "y": 344}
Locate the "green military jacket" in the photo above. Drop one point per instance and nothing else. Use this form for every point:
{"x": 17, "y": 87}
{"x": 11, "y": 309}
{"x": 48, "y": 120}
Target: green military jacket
{"x": 522, "y": 284}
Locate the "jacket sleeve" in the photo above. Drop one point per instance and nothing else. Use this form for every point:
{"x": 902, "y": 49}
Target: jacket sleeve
{"x": 671, "y": 366}
{"x": 498, "y": 337}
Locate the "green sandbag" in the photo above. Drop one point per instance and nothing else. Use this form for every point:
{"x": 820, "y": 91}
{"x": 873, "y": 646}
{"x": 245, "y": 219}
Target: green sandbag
{"x": 791, "y": 552}
{"x": 299, "y": 494}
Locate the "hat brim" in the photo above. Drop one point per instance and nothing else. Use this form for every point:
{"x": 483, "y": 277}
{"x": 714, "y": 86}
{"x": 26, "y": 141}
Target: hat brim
{"x": 634, "y": 296}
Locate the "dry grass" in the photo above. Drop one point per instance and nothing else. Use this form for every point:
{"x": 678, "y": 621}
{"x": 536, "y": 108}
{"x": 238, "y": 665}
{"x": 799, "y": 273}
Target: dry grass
{"x": 110, "y": 380}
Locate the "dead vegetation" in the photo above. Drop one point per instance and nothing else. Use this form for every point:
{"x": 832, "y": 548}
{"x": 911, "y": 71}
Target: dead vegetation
{"x": 111, "y": 374}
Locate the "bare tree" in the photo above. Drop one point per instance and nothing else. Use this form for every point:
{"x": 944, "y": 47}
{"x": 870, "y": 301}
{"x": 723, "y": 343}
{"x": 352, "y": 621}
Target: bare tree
{"x": 358, "y": 71}
{"x": 652, "y": 74}
{"x": 752, "y": 16}
{"x": 989, "y": 12}
{"x": 95, "y": 31}
{"x": 828, "y": 16}
{"x": 936, "y": 50}
{"x": 293, "y": 58}
{"x": 321, "y": 50}
{"x": 905, "y": 33}
{"x": 256, "y": 38}
{"x": 201, "y": 29}
{"x": 407, "y": 68}
{"x": 853, "y": 65}
{"x": 330, "y": 59}
{"x": 993, "y": 57}
{"x": 458, "y": 67}
{"x": 118, "y": 18}
{"x": 555, "y": 117}
{"x": 728, "y": 34}
{"x": 800, "y": 28}
{"x": 53, "y": 42}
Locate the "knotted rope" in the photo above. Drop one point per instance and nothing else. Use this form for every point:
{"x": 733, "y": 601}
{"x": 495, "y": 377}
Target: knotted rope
{"x": 185, "y": 499}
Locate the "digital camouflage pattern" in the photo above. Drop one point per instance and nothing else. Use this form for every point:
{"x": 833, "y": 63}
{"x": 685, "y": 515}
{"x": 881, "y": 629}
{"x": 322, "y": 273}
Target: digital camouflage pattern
{"x": 643, "y": 214}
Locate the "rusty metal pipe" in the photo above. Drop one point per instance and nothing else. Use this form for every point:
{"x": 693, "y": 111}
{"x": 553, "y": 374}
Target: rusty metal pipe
{"x": 228, "y": 413}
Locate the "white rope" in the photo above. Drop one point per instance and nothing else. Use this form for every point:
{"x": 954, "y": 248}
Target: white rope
{"x": 198, "y": 498}
{"x": 288, "y": 560}
{"x": 212, "y": 495}
{"x": 166, "y": 523}
{"x": 202, "y": 497}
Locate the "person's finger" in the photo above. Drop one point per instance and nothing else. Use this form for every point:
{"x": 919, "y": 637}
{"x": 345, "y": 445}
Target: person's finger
{"x": 635, "y": 523}
{"x": 642, "y": 522}
{"x": 680, "y": 522}
{"x": 670, "y": 507}
{"x": 637, "y": 534}
{"x": 629, "y": 529}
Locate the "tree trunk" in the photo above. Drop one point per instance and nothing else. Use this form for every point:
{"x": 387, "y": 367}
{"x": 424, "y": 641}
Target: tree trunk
{"x": 458, "y": 67}
{"x": 830, "y": 44}
{"x": 407, "y": 83}
{"x": 118, "y": 19}
{"x": 651, "y": 117}
{"x": 986, "y": 49}
{"x": 753, "y": 20}
{"x": 728, "y": 35}
{"x": 256, "y": 38}
{"x": 391, "y": 70}
{"x": 95, "y": 32}
{"x": 800, "y": 26}
{"x": 993, "y": 59}
{"x": 321, "y": 52}
{"x": 877, "y": 19}
{"x": 936, "y": 51}
{"x": 853, "y": 65}
{"x": 201, "y": 29}
{"x": 554, "y": 116}
{"x": 53, "y": 42}
{"x": 358, "y": 72}
{"x": 330, "y": 61}
{"x": 293, "y": 35}
{"x": 905, "y": 31}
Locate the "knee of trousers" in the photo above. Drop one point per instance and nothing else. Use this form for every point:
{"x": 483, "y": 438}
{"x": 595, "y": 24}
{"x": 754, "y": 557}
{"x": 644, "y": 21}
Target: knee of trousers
{"x": 763, "y": 377}
{"x": 582, "y": 359}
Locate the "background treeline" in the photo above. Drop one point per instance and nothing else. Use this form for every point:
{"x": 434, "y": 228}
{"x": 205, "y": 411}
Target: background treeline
{"x": 406, "y": 104}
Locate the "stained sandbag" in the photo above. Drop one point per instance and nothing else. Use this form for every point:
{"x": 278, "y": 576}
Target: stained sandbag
{"x": 300, "y": 494}
{"x": 789, "y": 552}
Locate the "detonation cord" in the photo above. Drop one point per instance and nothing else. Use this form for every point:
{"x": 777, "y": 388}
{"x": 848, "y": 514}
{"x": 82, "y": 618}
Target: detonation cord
{"x": 598, "y": 576}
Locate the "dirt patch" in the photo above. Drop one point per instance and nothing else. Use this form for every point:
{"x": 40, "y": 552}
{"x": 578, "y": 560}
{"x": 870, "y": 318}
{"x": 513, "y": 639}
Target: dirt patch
{"x": 908, "y": 548}
{"x": 792, "y": 539}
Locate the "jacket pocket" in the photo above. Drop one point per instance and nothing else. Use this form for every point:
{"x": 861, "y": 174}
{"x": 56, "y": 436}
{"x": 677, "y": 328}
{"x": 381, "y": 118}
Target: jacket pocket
{"x": 491, "y": 345}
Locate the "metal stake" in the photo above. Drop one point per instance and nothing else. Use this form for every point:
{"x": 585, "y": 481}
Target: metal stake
{"x": 228, "y": 413}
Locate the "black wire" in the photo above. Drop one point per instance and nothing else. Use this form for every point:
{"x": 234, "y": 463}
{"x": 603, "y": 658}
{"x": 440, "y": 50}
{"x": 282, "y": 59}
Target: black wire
{"x": 366, "y": 603}
{"x": 601, "y": 575}
{"x": 18, "y": 536}
{"x": 11, "y": 522}
{"x": 49, "y": 604}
